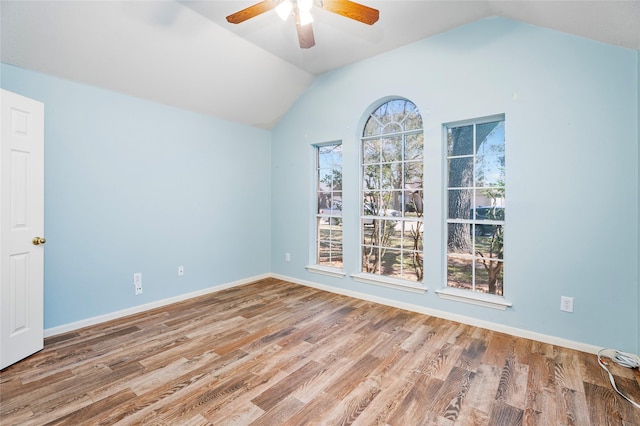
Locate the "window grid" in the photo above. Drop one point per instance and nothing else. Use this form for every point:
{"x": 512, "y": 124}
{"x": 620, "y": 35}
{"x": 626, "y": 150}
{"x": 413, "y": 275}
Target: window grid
{"x": 329, "y": 205}
{"x": 391, "y": 190}
{"x": 475, "y": 199}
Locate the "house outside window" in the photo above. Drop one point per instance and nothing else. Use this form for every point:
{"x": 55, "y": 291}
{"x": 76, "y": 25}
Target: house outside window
{"x": 475, "y": 206}
{"x": 329, "y": 205}
{"x": 392, "y": 165}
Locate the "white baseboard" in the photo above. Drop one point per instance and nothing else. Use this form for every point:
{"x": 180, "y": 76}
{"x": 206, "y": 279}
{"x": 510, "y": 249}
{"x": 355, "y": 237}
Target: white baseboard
{"x": 518, "y": 332}
{"x": 65, "y": 328}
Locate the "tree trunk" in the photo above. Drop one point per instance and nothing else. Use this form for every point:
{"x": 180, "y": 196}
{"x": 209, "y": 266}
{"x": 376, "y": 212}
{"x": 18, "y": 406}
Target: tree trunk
{"x": 460, "y": 201}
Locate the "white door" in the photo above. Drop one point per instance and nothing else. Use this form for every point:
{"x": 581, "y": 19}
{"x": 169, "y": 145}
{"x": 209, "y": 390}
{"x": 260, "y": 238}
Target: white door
{"x": 21, "y": 227}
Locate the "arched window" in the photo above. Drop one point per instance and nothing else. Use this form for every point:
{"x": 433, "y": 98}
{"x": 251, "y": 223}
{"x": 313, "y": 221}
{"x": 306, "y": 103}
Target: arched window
{"x": 392, "y": 182}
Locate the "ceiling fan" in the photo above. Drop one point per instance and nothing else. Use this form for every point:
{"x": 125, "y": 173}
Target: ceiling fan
{"x": 301, "y": 11}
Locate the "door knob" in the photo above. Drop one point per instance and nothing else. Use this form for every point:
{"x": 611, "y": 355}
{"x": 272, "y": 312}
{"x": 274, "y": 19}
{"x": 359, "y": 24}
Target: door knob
{"x": 38, "y": 240}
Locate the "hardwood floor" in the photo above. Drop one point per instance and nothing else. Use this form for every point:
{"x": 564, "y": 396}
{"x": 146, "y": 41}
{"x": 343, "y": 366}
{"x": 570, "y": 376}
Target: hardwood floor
{"x": 273, "y": 352}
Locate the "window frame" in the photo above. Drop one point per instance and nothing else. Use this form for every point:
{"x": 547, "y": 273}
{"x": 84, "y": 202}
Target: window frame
{"x": 471, "y": 296}
{"x": 316, "y": 216}
{"x": 416, "y": 286}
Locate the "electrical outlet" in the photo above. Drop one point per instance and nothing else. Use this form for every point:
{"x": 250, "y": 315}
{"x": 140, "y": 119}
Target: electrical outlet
{"x": 287, "y": 257}
{"x": 137, "y": 282}
{"x": 566, "y": 304}
{"x": 180, "y": 271}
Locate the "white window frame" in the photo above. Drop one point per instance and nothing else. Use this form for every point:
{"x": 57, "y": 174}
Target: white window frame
{"x": 453, "y": 293}
{"x": 378, "y": 279}
{"x": 318, "y": 215}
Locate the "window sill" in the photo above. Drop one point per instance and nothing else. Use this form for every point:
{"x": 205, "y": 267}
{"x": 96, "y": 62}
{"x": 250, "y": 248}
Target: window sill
{"x": 467, "y": 296}
{"x": 325, "y": 270}
{"x": 389, "y": 282}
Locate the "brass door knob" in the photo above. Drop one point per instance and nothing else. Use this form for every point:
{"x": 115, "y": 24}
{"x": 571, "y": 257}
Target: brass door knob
{"x": 38, "y": 240}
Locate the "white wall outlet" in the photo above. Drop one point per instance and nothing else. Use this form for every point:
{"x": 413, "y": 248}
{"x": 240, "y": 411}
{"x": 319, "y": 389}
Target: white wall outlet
{"x": 566, "y": 304}
{"x": 287, "y": 257}
{"x": 137, "y": 282}
{"x": 180, "y": 271}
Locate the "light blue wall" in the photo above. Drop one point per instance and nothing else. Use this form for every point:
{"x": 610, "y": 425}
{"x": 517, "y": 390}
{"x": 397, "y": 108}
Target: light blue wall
{"x": 134, "y": 186}
{"x": 571, "y": 108}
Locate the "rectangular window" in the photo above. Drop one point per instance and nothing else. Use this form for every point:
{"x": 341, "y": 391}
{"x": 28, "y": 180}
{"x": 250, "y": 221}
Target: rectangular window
{"x": 329, "y": 205}
{"x": 475, "y": 217}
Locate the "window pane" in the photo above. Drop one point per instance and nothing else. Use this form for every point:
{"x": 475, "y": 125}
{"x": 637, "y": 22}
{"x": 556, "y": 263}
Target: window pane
{"x": 490, "y": 154}
{"x": 392, "y": 128}
{"x": 371, "y": 177}
{"x": 490, "y": 138}
{"x": 412, "y": 269}
{"x": 489, "y": 241}
{"x": 392, "y": 149}
{"x": 391, "y": 176}
{"x": 393, "y": 234}
{"x": 324, "y": 235}
{"x": 413, "y": 203}
{"x": 390, "y": 203}
{"x": 324, "y": 256}
{"x": 482, "y": 213}
{"x": 324, "y": 202}
{"x": 494, "y": 213}
{"x": 414, "y": 146}
{"x": 459, "y": 238}
{"x": 413, "y": 120}
{"x": 330, "y": 242}
{"x": 324, "y": 179}
{"x": 337, "y": 179}
{"x": 459, "y": 203}
{"x": 489, "y": 277}
{"x": 396, "y": 206}
{"x": 371, "y": 151}
{"x": 370, "y": 232}
{"x": 460, "y": 172}
{"x": 460, "y": 141}
{"x": 324, "y": 162}
{"x": 390, "y": 263}
{"x": 392, "y": 111}
{"x": 413, "y": 175}
{"x": 336, "y": 203}
{"x": 370, "y": 259}
{"x": 489, "y": 170}
{"x": 490, "y": 198}
{"x": 336, "y": 255}
{"x": 459, "y": 272}
{"x": 412, "y": 236}
{"x": 371, "y": 203}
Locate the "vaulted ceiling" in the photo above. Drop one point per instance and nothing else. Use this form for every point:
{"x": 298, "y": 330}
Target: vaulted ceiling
{"x": 185, "y": 54}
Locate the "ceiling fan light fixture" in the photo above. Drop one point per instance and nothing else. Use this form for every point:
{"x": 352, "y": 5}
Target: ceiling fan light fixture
{"x": 301, "y": 11}
{"x": 305, "y": 17}
{"x": 284, "y": 9}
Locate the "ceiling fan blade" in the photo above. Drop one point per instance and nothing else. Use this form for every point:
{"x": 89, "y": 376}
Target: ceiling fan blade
{"x": 252, "y": 11}
{"x": 353, "y": 10}
{"x": 305, "y": 36}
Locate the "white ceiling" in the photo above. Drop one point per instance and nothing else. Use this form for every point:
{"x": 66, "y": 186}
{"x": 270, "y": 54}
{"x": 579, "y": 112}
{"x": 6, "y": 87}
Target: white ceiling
{"x": 185, "y": 54}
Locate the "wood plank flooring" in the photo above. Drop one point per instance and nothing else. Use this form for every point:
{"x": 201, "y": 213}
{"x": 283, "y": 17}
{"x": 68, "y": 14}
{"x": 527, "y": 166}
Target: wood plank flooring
{"x": 277, "y": 353}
